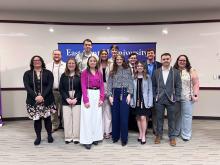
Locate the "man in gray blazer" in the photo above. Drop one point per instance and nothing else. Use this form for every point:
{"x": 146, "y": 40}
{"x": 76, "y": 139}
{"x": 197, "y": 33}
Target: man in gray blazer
{"x": 166, "y": 91}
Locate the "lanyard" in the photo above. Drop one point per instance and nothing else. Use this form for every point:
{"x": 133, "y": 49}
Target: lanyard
{"x": 41, "y": 84}
{"x": 71, "y": 86}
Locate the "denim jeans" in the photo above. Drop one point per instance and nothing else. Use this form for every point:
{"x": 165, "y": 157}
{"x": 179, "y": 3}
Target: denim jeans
{"x": 183, "y": 119}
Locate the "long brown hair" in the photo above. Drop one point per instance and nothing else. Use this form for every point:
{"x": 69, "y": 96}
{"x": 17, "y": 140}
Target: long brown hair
{"x": 144, "y": 71}
{"x": 115, "y": 66}
{"x": 67, "y": 71}
{"x": 88, "y": 67}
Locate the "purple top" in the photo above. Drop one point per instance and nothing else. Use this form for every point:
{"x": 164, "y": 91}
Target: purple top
{"x": 95, "y": 81}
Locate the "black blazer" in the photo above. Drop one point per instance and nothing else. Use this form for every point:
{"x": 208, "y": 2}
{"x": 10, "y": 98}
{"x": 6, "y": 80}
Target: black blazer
{"x": 47, "y": 85}
{"x": 64, "y": 88}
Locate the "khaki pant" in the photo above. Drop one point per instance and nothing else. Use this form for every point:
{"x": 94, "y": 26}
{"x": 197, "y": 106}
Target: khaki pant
{"x": 106, "y": 117}
{"x": 55, "y": 116}
{"x": 71, "y": 117}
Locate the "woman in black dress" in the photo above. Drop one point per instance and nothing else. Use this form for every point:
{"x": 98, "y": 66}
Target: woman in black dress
{"x": 38, "y": 82}
{"x": 142, "y": 100}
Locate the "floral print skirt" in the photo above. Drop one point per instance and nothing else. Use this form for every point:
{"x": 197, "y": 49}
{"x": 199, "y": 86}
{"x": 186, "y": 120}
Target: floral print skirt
{"x": 35, "y": 112}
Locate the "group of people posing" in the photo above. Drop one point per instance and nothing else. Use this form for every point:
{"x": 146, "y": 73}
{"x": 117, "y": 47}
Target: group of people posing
{"x": 94, "y": 96}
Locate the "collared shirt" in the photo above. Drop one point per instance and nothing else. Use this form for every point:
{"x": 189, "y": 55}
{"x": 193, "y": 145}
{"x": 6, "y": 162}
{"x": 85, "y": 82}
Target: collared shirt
{"x": 150, "y": 67}
{"x": 82, "y": 59}
{"x": 57, "y": 70}
{"x": 165, "y": 72}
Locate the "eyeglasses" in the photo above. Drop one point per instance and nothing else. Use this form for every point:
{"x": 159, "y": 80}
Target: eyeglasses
{"x": 36, "y": 60}
{"x": 182, "y": 60}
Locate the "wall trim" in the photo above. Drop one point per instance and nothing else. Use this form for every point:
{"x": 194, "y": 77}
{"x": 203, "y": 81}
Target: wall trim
{"x": 109, "y": 23}
{"x": 23, "y": 89}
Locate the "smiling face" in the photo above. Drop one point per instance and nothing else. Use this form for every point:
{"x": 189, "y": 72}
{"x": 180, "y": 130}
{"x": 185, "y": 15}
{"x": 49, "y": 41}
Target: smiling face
{"x": 119, "y": 60}
{"x": 140, "y": 68}
{"x": 182, "y": 62}
{"x": 132, "y": 59}
{"x": 104, "y": 55}
{"x": 56, "y": 56}
{"x": 92, "y": 62}
{"x": 37, "y": 62}
{"x": 150, "y": 55}
{"x": 87, "y": 46}
{"x": 114, "y": 52}
{"x": 71, "y": 64}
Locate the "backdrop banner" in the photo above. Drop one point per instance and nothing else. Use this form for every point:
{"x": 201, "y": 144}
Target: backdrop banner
{"x": 72, "y": 49}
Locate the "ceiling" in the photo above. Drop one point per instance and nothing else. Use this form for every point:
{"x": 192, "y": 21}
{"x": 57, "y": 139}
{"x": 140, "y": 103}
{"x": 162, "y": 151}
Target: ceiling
{"x": 99, "y": 8}
{"x": 106, "y": 6}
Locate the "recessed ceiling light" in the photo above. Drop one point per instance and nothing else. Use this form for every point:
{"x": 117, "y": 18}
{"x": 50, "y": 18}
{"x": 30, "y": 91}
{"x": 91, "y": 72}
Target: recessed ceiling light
{"x": 51, "y": 30}
{"x": 165, "y": 31}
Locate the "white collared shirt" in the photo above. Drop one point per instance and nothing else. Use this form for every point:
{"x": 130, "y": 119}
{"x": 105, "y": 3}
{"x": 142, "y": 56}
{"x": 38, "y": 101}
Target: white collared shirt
{"x": 57, "y": 70}
{"x": 165, "y": 73}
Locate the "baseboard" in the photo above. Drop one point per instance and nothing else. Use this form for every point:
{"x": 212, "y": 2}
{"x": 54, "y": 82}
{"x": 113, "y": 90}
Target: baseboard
{"x": 15, "y": 118}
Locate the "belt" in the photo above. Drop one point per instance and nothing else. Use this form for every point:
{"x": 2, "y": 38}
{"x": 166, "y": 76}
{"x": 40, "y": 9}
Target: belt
{"x": 93, "y": 88}
{"x": 56, "y": 89}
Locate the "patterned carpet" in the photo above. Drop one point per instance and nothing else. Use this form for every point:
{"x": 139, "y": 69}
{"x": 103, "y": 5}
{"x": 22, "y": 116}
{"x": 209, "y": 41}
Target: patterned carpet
{"x": 17, "y": 137}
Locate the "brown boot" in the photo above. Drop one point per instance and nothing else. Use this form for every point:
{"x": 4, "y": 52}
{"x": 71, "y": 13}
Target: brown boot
{"x": 157, "y": 140}
{"x": 173, "y": 142}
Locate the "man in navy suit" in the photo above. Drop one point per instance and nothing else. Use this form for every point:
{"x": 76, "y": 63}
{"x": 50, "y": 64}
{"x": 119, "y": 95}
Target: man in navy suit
{"x": 152, "y": 65}
{"x": 167, "y": 88}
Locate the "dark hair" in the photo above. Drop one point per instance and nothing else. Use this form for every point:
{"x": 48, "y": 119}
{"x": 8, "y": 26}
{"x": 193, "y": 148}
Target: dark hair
{"x": 67, "y": 71}
{"x": 149, "y": 50}
{"x": 88, "y": 67}
{"x": 188, "y": 65}
{"x": 87, "y": 40}
{"x": 43, "y": 66}
{"x": 132, "y": 54}
{"x": 114, "y": 46}
{"x": 115, "y": 66}
{"x": 144, "y": 71}
{"x": 165, "y": 54}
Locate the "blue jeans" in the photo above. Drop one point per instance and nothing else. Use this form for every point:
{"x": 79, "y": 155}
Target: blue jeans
{"x": 183, "y": 119}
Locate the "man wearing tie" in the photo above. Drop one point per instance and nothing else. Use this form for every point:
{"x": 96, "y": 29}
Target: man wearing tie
{"x": 57, "y": 67}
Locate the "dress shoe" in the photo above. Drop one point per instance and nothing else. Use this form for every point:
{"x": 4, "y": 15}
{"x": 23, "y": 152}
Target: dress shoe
{"x": 76, "y": 142}
{"x": 95, "y": 143}
{"x": 54, "y": 130}
{"x": 157, "y": 140}
{"x": 123, "y": 143}
{"x": 67, "y": 142}
{"x": 173, "y": 142}
{"x": 37, "y": 141}
{"x": 139, "y": 140}
{"x": 185, "y": 140}
{"x": 143, "y": 142}
{"x": 50, "y": 139}
{"x": 114, "y": 141}
{"x": 87, "y": 146}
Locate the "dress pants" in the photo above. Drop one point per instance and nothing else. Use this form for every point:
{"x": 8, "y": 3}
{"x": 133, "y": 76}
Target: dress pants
{"x": 106, "y": 117}
{"x": 160, "y": 108}
{"x": 120, "y": 115}
{"x": 71, "y": 118}
{"x": 183, "y": 125}
{"x": 55, "y": 116}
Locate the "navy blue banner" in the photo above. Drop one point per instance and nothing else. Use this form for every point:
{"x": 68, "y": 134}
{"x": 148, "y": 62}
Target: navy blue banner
{"x": 72, "y": 49}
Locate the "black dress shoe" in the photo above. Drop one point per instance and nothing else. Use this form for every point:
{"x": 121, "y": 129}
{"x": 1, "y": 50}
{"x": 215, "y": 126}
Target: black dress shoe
{"x": 50, "y": 139}
{"x": 143, "y": 142}
{"x": 114, "y": 141}
{"x": 139, "y": 140}
{"x": 95, "y": 143}
{"x": 76, "y": 142}
{"x": 67, "y": 142}
{"x": 37, "y": 141}
{"x": 185, "y": 140}
{"x": 123, "y": 143}
{"x": 87, "y": 146}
